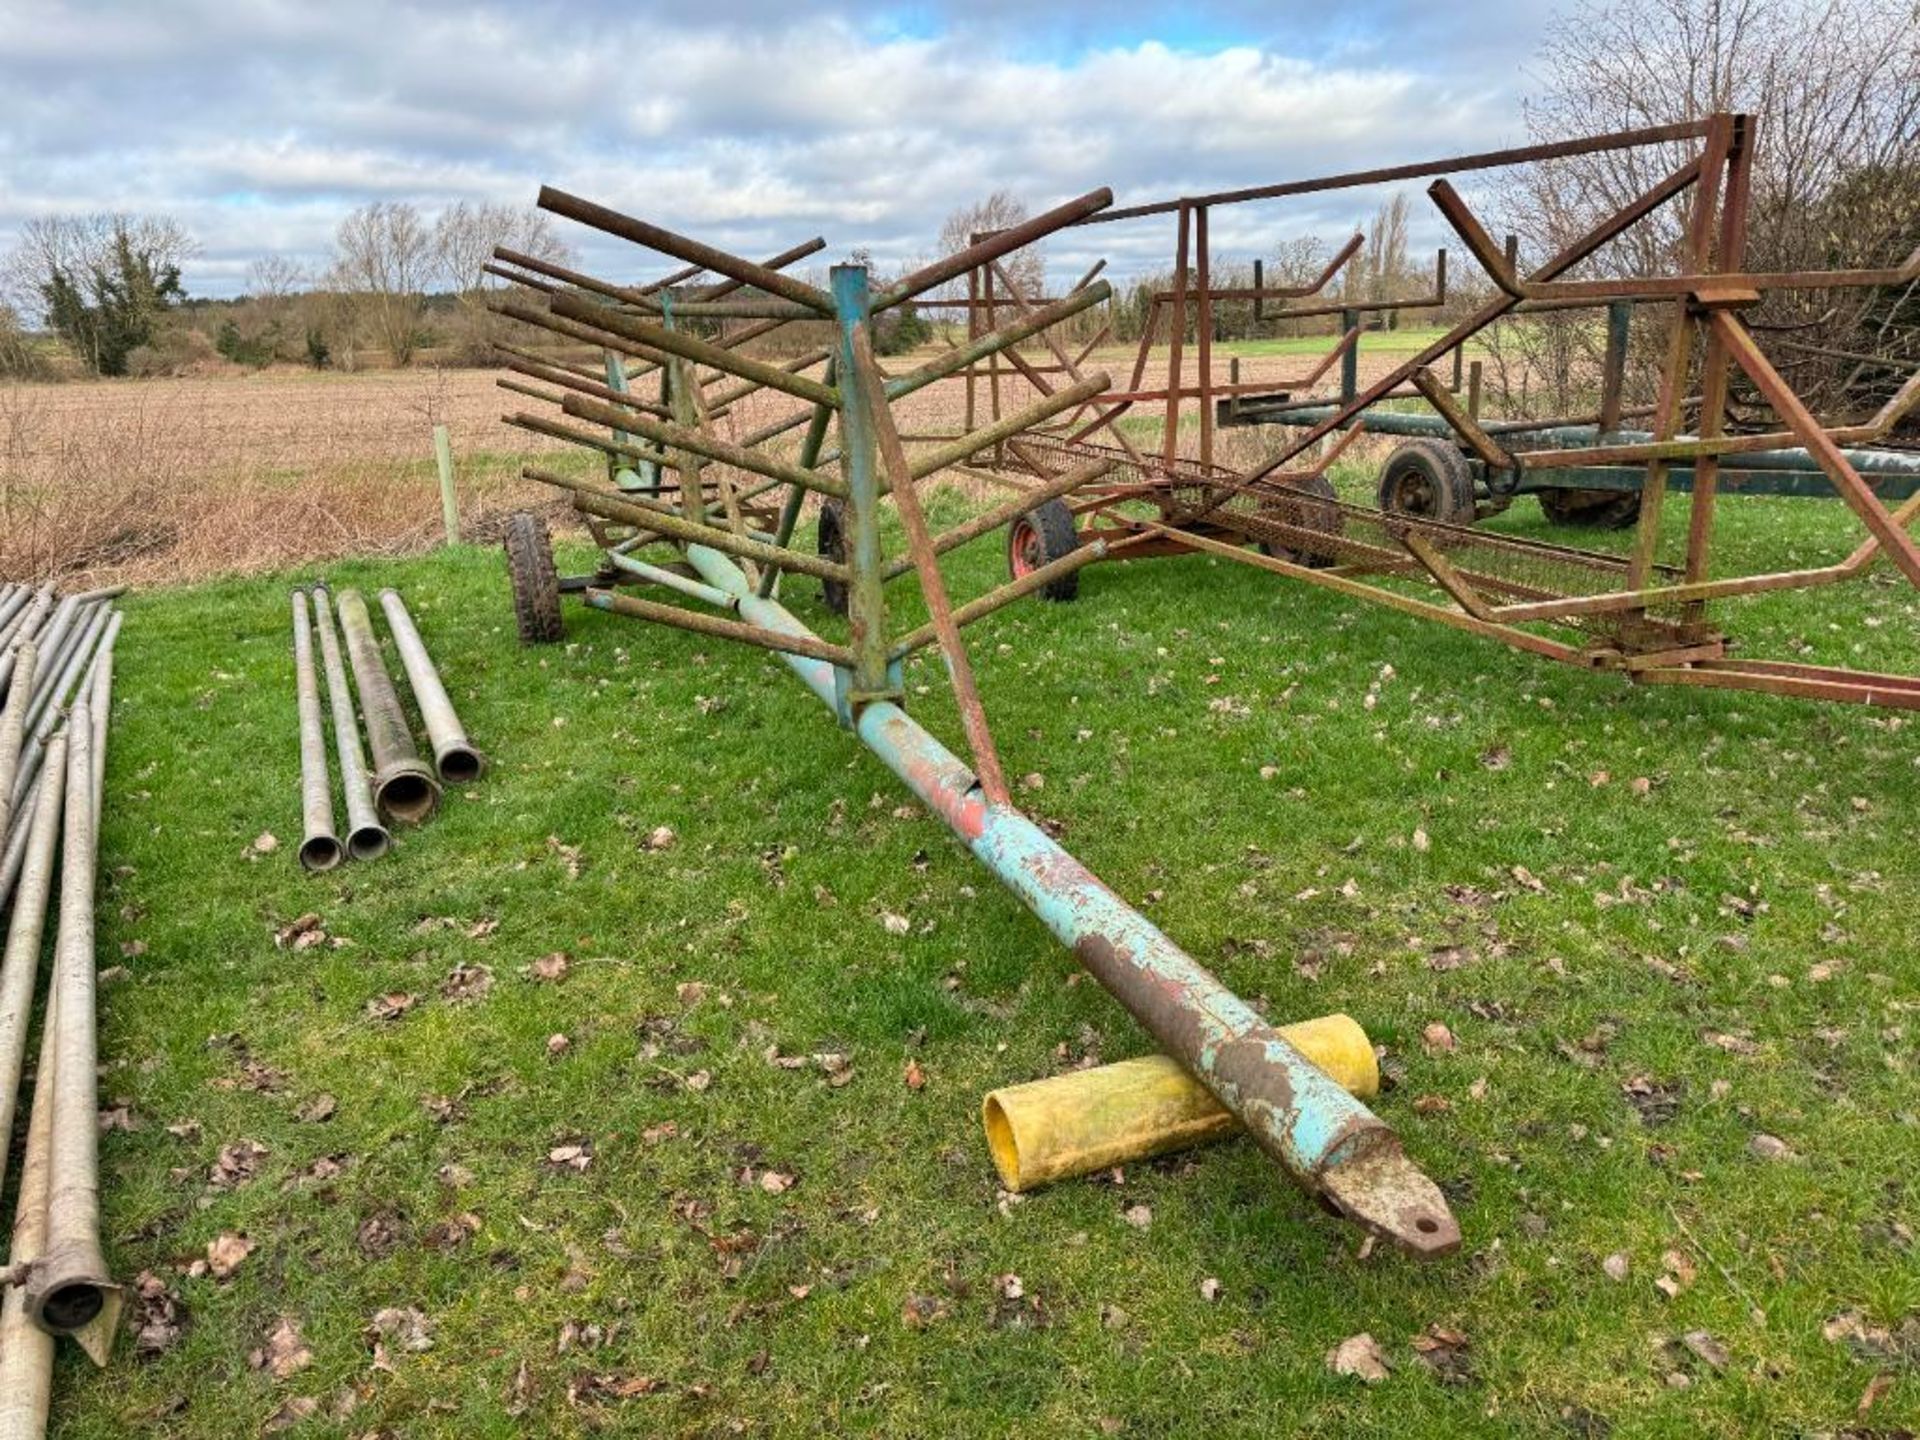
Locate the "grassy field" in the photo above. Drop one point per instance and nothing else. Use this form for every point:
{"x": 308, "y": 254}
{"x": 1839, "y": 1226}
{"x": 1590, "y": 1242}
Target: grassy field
{"x": 1400, "y": 343}
{"x": 1655, "y": 924}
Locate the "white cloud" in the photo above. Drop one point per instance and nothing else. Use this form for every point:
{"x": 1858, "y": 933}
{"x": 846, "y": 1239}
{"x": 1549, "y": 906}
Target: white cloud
{"x": 260, "y": 123}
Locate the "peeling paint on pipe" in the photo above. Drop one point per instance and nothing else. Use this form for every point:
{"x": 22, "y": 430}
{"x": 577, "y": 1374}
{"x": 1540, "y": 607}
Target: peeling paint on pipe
{"x": 1325, "y": 1138}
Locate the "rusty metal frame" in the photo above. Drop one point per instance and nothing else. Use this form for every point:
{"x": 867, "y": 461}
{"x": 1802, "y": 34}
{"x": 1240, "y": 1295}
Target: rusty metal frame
{"x": 1652, "y": 624}
{"x": 1320, "y": 1134}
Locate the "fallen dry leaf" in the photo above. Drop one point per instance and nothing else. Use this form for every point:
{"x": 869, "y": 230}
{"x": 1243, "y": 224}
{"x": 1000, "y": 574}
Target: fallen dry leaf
{"x": 1140, "y": 1217}
{"x": 467, "y": 982}
{"x": 1707, "y": 1348}
{"x": 390, "y": 1006}
{"x": 549, "y": 967}
{"x": 237, "y": 1163}
{"x": 158, "y": 1316}
{"x": 1359, "y": 1356}
{"x": 405, "y": 1326}
{"x": 1444, "y": 1351}
{"x": 776, "y": 1182}
{"x": 1616, "y": 1265}
{"x": 291, "y": 1413}
{"x": 1437, "y": 1038}
{"x": 318, "y": 1109}
{"x": 307, "y": 924}
{"x": 920, "y": 1311}
{"x": 1527, "y": 880}
{"x": 1876, "y": 1390}
{"x": 284, "y": 1354}
{"x": 225, "y": 1252}
{"x": 1770, "y": 1147}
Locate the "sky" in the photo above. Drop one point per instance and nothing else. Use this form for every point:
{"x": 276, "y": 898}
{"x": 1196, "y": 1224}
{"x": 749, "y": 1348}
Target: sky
{"x": 751, "y": 124}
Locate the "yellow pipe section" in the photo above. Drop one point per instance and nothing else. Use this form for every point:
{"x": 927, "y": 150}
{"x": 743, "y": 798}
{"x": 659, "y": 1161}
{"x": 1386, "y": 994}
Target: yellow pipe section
{"x": 1088, "y": 1120}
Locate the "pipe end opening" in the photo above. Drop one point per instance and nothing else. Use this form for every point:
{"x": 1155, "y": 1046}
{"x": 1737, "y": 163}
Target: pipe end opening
{"x": 72, "y": 1306}
{"x": 461, "y": 765}
{"x": 320, "y": 853}
{"x": 409, "y": 797}
{"x": 1001, "y": 1143}
{"x": 369, "y": 842}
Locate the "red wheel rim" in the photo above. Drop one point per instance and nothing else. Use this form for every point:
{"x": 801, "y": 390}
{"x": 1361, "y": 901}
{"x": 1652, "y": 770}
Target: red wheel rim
{"x": 1023, "y": 549}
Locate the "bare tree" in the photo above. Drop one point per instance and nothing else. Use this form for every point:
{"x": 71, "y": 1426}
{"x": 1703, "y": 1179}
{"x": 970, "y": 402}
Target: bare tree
{"x": 1835, "y": 85}
{"x": 275, "y": 277}
{"x": 999, "y": 211}
{"x": 384, "y": 257}
{"x": 464, "y": 239}
{"x": 1382, "y": 271}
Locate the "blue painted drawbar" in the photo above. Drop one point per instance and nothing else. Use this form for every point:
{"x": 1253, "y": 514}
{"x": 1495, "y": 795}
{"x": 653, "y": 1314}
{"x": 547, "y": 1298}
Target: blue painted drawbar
{"x": 1326, "y": 1139}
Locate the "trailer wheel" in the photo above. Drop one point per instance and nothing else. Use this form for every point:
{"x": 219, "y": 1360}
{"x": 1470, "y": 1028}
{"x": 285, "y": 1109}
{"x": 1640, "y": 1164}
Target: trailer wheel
{"x": 832, "y": 545}
{"x": 1040, "y": 537}
{"x": 1592, "y": 509}
{"x": 1430, "y": 481}
{"x": 536, "y": 584}
{"x": 1318, "y": 509}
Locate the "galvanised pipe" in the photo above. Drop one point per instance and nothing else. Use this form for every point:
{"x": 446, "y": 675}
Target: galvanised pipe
{"x": 100, "y": 701}
{"x": 69, "y": 1284}
{"x": 63, "y": 667}
{"x": 657, "y": 575}
{"x": 30, "y": 774}
{"x": 403, "y": 787}
{"x": 26, "y": 1351}
{"x": 13, "y": 732}
{"x": 18, "y": 597}
{"x": 1327, "y": 1140}
{"x": 367, "y": 838}
{"x": 57, "y": 680}
{"x": 55, "y": 641}
{"x": 20, "y": 968}
{"x": 319, "y": 846}
{"x": 28, "y": 627}
{"x": 453, "y": 755}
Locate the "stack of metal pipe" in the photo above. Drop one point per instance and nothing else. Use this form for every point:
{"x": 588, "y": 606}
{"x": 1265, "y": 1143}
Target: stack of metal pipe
{"x": 56, "y": 656}
{"x": 398, "y": 786}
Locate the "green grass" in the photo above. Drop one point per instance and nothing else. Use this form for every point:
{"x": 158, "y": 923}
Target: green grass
{"x": 1405, "y": 340}
{"x": 781, "y": 1314}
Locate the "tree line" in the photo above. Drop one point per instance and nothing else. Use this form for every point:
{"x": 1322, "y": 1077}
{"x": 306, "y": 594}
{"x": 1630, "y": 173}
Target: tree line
{"x": 109, "y": 288}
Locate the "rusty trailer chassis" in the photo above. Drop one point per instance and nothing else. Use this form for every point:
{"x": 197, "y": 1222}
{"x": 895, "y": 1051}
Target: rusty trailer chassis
{"x": 724, "y": 505}
{"x": 1418, "y": 550}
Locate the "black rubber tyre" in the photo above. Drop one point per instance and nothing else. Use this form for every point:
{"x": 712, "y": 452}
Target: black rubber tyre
{"x": 1428, "y": 479}
{"x": 536, "y": 584}
{"x": 1040, "y": 537}
{"x": 1316, "y": 509}
{"x": 833, "y": 546}
{"x": 1592, "y": 509}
